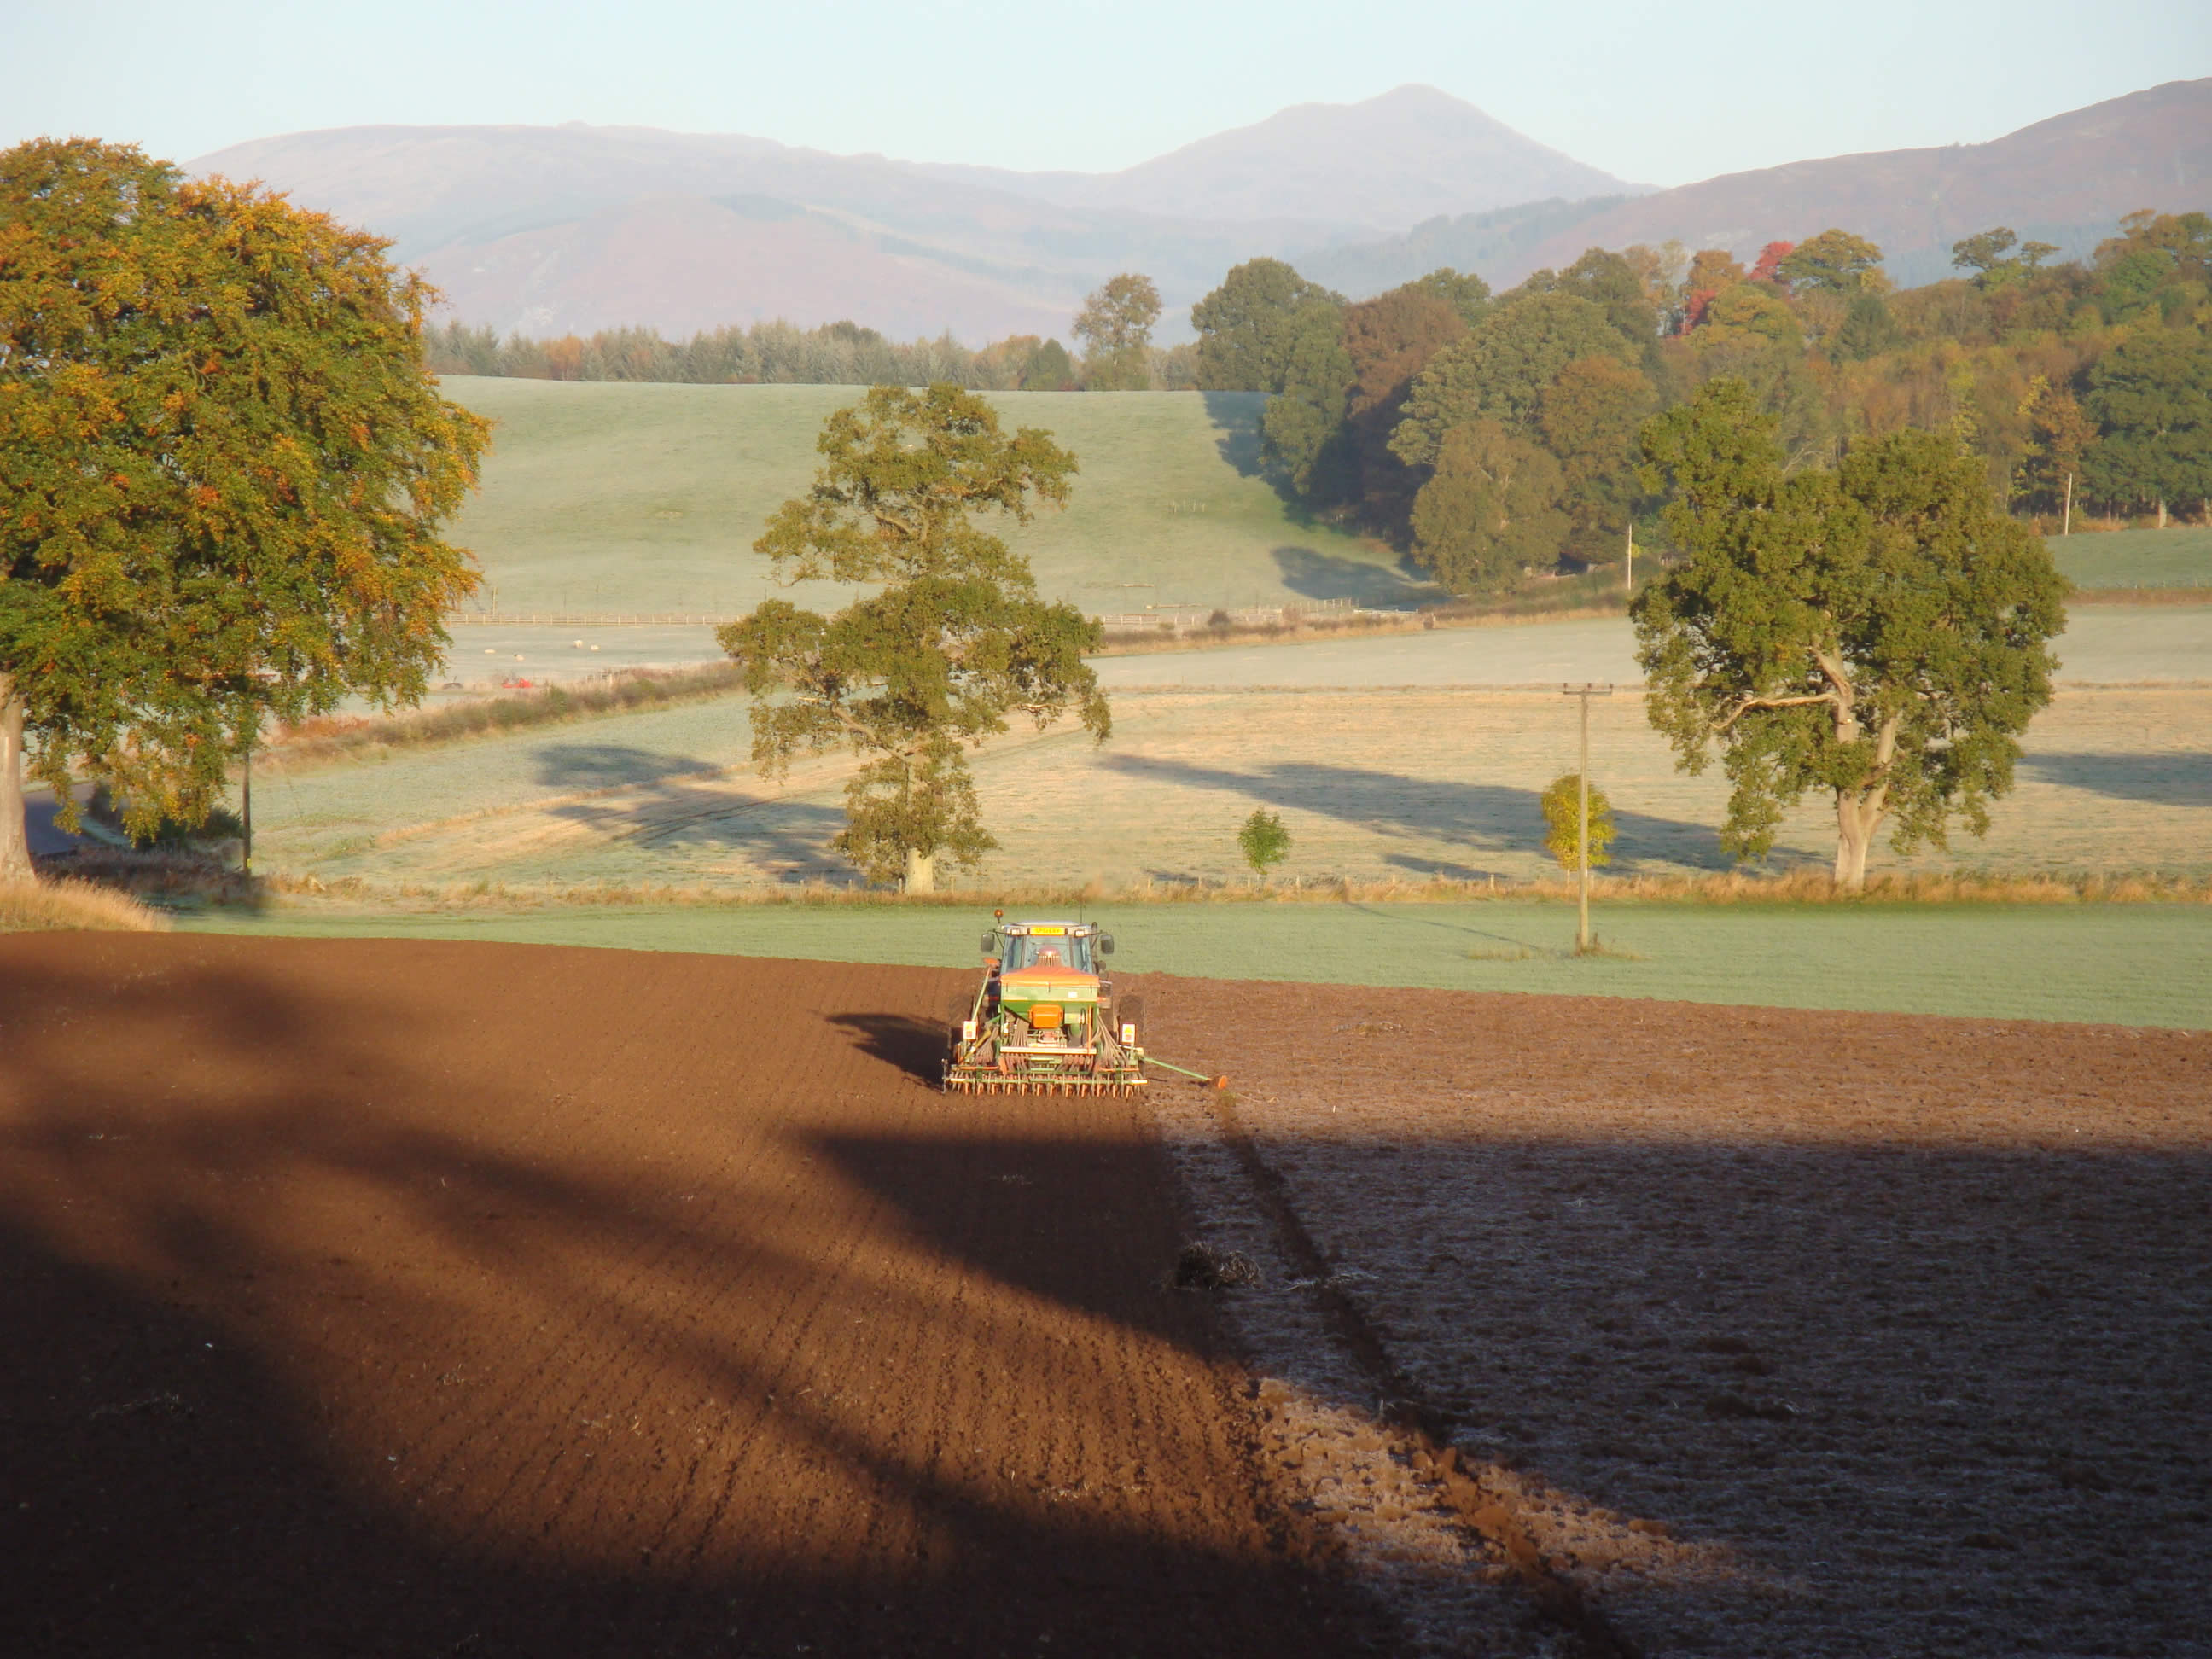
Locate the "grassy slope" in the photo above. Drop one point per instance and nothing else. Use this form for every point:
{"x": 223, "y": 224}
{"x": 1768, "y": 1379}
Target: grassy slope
{"x": 606, "y": 497}
{"x": 2136, "y": 558}
{"x": 2126, "y": 964}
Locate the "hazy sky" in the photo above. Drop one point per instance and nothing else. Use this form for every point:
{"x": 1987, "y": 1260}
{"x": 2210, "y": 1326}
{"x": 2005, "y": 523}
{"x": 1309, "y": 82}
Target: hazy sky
{"x": 1662, "y": 93}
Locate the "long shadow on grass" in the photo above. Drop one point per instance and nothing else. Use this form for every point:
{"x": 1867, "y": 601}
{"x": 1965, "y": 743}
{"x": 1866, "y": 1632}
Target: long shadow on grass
{"x": 2163, "y": 780}
{"x": 1482, "y": 817}
{"x": 671, "y": 801}
{"x": 1330, "y": 576}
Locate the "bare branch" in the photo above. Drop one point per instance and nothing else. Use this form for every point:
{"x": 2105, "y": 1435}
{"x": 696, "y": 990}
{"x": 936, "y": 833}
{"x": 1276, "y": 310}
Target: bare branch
{"x": 1751, "y": 703}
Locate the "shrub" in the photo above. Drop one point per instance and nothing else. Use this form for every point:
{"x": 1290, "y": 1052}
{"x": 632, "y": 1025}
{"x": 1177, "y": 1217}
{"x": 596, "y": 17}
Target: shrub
{"x": 1562, "y": 820}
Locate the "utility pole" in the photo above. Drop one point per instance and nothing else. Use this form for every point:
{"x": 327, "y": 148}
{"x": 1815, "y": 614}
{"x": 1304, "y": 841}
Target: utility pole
{"x": 245, "y": 808}
{"x": 2066, "y": 524}
{"x": 1581, "y": 800}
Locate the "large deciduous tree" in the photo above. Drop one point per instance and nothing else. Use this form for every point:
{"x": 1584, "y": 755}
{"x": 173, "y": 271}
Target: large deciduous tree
{"x": 1490, "y": 510}
{"x": 1881, "y": 632}
{"x": 2151, "y": 398}
{"x": 1834, "y": 262}
{"x": 1115, "y": 327}
{"x": 1247, "y": 327}
{"x": 223, "y": 472}
{"x": 1302, "y": 432}
{"x": 1501, "y": 368}
{"x": 954, "y": 640}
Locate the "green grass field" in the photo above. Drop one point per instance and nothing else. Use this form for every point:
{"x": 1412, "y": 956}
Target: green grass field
{"x": 2136, "y": 558}
{"x": 607, "y": 497}
{"x": 2142, "y": 964}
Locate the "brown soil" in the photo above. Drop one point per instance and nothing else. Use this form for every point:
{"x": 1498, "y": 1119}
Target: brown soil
{"x": 377, "y": 1297}
{"x": 389, "y": 1296}
{"x": 1779, "y": 1333}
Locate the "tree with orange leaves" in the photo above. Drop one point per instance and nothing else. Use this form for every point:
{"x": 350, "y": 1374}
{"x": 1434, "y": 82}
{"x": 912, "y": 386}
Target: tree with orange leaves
{"x": 222, "y": 473}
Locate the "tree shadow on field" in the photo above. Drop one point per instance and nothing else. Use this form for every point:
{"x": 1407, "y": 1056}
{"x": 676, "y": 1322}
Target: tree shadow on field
{"x": 415, "y": 1318}
{"x": 654, "y": 799}
{"x": 1481, "y": 816}
{"x": 1236, "y": 418}
{"x": 2180, "y": 779}
{"x": 1332, "y": 576}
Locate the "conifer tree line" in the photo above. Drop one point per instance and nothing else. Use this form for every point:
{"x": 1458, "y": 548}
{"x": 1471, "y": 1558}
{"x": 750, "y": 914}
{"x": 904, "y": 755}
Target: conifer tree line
{"x": 1496, "y": 433}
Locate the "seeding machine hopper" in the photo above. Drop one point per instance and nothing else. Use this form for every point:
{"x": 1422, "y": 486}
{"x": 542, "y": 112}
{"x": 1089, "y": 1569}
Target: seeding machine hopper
{"x": 1044, "y": 1017}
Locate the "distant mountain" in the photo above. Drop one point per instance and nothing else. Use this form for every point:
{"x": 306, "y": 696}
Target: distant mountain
{"x": 1411, "y": 155}
{"x": 548, "y": 229}
{"x": 1484, "y": 243}
{"x": 2066, "y": 180}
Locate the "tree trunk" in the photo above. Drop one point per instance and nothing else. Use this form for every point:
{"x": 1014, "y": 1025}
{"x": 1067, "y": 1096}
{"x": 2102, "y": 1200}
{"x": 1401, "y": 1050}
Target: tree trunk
{"x": 920, "y": 872}
{"x": 2161, "y": 515}
{"x": 15, "y": 844}
{"x": 1858, "y": 816}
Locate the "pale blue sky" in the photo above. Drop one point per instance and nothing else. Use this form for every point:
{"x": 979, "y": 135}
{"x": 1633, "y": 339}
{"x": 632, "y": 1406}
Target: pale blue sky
{"x": 1664, "y": 93}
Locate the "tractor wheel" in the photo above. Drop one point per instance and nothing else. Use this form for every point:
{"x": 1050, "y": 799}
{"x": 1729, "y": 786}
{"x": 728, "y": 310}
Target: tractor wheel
{"x": 1129, "y": 1010}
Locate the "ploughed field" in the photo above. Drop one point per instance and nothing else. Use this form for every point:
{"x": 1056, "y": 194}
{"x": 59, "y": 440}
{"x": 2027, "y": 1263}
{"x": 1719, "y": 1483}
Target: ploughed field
{"x": 385, "y": 1296}
{"x": 419, "y": 1297}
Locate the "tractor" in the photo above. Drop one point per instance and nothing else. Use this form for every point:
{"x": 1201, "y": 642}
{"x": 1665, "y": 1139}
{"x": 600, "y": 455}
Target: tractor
{"x": 1044, "y": 1017}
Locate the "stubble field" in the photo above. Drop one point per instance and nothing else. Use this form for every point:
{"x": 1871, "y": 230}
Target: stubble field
{"x": 439, "y": 1297}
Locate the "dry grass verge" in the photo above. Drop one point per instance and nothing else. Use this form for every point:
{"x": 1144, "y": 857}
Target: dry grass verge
{"x": 1800, "y": 887}
{"x": 47, "y": 907}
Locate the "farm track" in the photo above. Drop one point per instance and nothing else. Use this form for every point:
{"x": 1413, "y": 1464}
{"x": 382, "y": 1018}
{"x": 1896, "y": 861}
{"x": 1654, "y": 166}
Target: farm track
{"x": 388, "y": 1296}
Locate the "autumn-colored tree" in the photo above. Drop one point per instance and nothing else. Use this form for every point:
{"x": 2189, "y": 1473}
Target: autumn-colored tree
{"x": 1490, "y": 510}
{"x": 953, "y": 642}
{"x": 1247, "y": 328}
{"x": 1767, "y": 268}
{"x": 1881, "y": 632}
{"x": 1389, "y": 340}
{"x": 2058, "y": 436}
{"x": 223, "y": 474}
{"x": 1834, "y": 262}
{"x": 1115, "y": 327}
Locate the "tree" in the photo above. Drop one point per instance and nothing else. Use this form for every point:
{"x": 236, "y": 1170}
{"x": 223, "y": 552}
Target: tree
{"x": 222, "y": 473}
{"x": 1490, "y": 510}
{"x": 1881, "y": 632}
{"x": 1563, "y": 822}
{"x": 1834, "y": 262}
{"x": 954, "y": 641}
{"x": 1389, "y": 339}
{"x": 2058, "y": 436}
{"x": 1501, "y": 369}
{"x": 1588, "y": 417}
{"x": 1612, "y": 283}
{"x": 1464, "y": 292}
{"x": 1301, "y": 429}
{"x": 1247, "y": 327}
{"x": 1767, "y": 268}
{"x": 2151, "y": 399}
{"x": 1115, "y": 327}
{"x": 1753, "y": 308}
{"x": 1988, "y": 254}
{"x": 1868, "y": 329}
{"x": 1263, "y": 840}
{"x": 1048, "y": 369}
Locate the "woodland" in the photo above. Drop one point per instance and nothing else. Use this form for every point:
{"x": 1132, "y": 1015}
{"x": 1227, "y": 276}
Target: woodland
{"x": 1492, "y": 435}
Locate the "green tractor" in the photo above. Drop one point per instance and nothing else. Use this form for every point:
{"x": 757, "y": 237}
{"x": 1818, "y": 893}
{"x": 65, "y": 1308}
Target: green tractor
{"x": 1044, "y": 1017}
